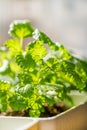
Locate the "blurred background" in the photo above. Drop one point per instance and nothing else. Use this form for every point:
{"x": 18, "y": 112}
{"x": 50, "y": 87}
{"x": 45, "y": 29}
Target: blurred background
{"x": 62, "y": 20}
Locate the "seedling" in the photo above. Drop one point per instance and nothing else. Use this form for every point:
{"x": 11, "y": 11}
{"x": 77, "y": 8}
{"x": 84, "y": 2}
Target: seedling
{"x": 39, "y": 73}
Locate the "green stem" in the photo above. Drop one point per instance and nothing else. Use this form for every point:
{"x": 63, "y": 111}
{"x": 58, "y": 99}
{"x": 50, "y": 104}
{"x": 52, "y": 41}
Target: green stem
{"x": 21, "y": 42}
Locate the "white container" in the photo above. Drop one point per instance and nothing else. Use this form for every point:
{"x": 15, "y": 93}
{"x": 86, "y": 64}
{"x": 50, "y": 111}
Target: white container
{"x": 17, "y": 123}
{"x": 73, "y": 119}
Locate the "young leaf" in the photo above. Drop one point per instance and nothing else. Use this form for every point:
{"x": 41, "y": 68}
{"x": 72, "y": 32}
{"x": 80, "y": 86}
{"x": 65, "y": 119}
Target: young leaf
{"x": 37, "y": 50}
{"x": 21, "y": 29}
{"x": 14, "y": 46}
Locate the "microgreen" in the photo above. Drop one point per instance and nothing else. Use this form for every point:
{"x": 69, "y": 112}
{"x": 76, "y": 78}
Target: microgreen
{"x": 41, "y": 72}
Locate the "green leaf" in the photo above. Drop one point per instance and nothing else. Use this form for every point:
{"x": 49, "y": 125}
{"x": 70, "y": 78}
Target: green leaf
{"x": 38, "y": 35}
{"x": 64, "y": 53}
{"x": 21, "y": 29}
{"x": 4, "y": 95}
{"x": 50, "y": 100}
{"x": 26, "y": 91}
{"x": 14, "y": 46}
{"x": 3, "y": 101}
{"x": 37, "y": 50}
{"x": 25, "y": 61}
{"x": 81, "y": 68}
{"x": 24, "y": 79}
{"x": 4, "y": 85}
{"x": 66, "y": 71}
{"x": 35, "y": 101}
{"x": 18, "y": 102}
{"x": 34, "y": 113}
{"x": 15, "y": 68}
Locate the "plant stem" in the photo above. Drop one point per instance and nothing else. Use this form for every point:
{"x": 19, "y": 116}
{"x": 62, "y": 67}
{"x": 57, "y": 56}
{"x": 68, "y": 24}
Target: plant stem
{"x": 21, "y": 42}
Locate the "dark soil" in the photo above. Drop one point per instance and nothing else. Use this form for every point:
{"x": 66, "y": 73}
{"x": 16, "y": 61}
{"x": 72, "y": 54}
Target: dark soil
{"x": 49, "y": 111}
{"x": 53, "y": 110}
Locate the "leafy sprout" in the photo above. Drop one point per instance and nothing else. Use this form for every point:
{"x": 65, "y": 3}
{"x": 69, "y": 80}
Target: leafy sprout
{"x": 43, "y": 72}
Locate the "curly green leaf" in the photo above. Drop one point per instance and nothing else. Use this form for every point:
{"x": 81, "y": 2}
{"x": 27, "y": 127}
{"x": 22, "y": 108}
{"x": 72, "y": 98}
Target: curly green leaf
{"x": 21, "y": 29}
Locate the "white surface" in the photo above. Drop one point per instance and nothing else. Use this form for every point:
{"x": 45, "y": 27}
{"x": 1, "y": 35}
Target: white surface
{"x": 16, "y": 123}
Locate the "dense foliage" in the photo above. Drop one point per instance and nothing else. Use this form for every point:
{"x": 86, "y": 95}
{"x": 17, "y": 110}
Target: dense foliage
{"x": 40, "y": 72}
